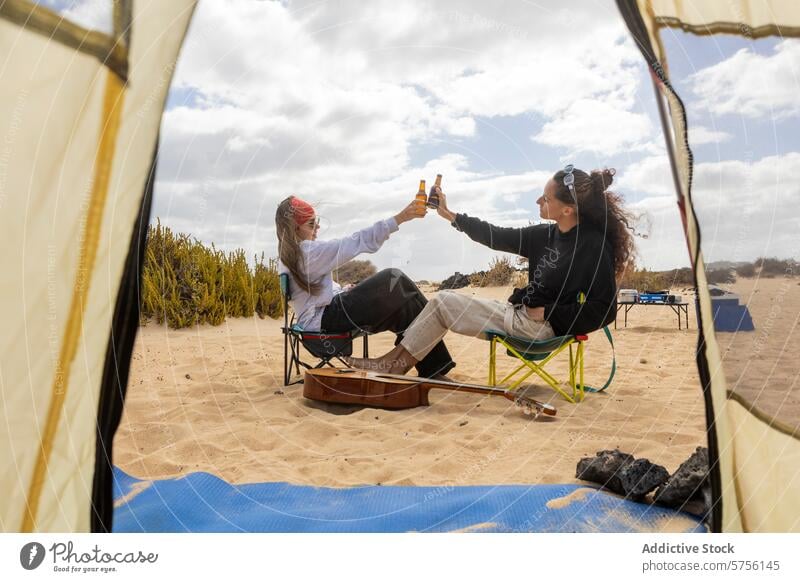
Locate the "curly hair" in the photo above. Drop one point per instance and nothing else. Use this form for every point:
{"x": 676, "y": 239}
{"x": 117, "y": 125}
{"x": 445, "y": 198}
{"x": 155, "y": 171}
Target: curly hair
{"x": 601, "y": 208}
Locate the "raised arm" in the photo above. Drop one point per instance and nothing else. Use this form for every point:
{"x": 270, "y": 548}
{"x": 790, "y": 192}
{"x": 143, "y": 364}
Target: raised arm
{"x": 322, "y": 257}
{"x": 509, "y": 240}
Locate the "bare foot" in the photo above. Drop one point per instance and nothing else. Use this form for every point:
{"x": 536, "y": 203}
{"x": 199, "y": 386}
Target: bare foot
{"x": 380, "y": 365}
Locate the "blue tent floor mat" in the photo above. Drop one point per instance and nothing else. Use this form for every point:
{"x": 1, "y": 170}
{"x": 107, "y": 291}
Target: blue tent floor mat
{"x": 201, "y": 502}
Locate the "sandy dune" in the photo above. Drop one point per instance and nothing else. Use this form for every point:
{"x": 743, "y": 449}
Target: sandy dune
{"x": 211, "y": 399}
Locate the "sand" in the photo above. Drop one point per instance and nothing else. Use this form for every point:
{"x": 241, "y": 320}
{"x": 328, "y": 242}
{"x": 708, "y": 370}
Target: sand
{"x": 762, "y": 366}
{"x": 211, "y": 399}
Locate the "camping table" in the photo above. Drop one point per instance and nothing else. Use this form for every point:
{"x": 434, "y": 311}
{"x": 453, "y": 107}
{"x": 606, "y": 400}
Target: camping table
{"x": 678, "y": 308}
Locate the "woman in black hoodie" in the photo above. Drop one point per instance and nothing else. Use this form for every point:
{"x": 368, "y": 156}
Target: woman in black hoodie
{"x": 573, "y": 264}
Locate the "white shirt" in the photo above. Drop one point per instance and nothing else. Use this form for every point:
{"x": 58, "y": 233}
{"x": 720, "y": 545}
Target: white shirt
{"x": 320, "y": 257}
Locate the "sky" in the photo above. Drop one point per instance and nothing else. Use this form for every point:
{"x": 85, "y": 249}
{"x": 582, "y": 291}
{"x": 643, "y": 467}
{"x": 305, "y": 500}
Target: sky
{"x": 349, "y": 104}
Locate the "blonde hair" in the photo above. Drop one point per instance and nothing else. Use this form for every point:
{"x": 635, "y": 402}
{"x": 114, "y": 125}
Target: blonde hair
{"x": 289, "y": 246}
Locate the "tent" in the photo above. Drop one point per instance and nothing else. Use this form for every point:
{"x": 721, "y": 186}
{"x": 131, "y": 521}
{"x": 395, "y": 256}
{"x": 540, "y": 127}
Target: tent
{"x": 754, "y": 453}
{"x": 79, "y": 117}
{"x": 81, "y": 111}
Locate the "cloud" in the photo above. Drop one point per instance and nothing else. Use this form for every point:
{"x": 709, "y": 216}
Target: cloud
{"x": 744, "y": 209}
{"x": 597, "y": 126}
{"x": 328, "y": 100}
{"x": 291, "y": 87}
{"x": 651, "y": 175}
{"x": 91, "y": 14}
{"x": 751, "y": 84}
{"x": 701, "y": 135}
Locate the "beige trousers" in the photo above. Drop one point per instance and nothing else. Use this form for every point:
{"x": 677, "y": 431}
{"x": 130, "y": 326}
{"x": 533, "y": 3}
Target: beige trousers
{"x": 471, "y": 316}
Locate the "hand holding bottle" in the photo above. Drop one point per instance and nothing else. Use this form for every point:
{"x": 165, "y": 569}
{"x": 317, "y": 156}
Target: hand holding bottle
{"x": 410, "y": 212}
{"x": 442, "y": 208}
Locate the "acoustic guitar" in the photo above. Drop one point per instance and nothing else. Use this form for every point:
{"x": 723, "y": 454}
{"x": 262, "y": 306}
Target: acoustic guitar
{"x": 349, "y": 386}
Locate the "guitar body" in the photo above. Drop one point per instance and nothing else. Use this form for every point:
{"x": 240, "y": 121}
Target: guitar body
{"x": 363, "y": 387}
{"x": 349, "y": 386}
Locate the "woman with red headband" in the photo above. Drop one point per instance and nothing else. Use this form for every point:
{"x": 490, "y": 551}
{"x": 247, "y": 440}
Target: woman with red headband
{"x": 387, "y": 301}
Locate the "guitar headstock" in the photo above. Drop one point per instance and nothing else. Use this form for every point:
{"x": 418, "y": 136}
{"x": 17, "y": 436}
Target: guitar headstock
{"x": 530, "y": 406}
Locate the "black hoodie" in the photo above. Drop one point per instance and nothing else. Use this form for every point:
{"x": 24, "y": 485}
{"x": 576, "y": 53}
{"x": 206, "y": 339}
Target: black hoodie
{"x": 561, "y": 265}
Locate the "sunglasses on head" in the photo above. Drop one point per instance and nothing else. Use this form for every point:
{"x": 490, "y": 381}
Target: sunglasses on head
{"x": 569, "y": 180}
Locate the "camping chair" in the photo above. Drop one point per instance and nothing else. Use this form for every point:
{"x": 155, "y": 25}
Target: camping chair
{"x": 323, "y": 346}
{"x": 534, "y": 355}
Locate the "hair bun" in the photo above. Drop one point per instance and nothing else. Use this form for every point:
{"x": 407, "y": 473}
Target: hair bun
{"x": 602, "y": 179}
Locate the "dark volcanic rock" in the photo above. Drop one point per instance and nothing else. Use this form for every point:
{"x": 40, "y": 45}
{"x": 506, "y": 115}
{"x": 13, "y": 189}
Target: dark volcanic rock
{"x": 641, "y": 477}
{"x": 688, "y": 483}
{"x": 621, "y": 473}
{"x": 604, "y": 468}
{"x": 455, "y": 281}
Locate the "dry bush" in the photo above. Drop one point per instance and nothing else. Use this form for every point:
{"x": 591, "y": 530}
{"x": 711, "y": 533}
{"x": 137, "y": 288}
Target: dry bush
{"x": 642, "y": 280}
{"x": 354, "y": 272}
{"x": 500, "y": 272}
{"x": 746, "y": 270}
{"x": 720, "y": 276}
{"x": 519, "y": 279}
{"x": 773, "y": 267}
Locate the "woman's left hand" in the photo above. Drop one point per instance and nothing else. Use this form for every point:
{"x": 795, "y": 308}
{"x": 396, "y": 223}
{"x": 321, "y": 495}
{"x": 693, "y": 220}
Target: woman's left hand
{"x": 536, "y": 313}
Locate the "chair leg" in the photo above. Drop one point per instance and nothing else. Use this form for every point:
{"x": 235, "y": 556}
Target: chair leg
{"x": 285, "y": 359}
{"x": 572, "y": 363}
{"x": 366, "y": 345}
{"x": 539, "y": 370}
{"x": 580, "y": 364}
{"x": 492, "y": 362}
{"x": 297, "y": 354}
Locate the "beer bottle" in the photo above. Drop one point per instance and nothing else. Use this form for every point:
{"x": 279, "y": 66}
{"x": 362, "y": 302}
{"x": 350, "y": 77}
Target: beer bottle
{"x": 421, "y": 197}
{"x": 433, "y": 199}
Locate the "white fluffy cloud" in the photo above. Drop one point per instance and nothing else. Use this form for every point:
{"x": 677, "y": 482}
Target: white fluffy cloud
{"x": 751, "y": 84}
{"x": 745, "y": 209}
{"x": 701, "y": 135}
{"x": 597, "y": 126}
{"x": 334, "y": 101}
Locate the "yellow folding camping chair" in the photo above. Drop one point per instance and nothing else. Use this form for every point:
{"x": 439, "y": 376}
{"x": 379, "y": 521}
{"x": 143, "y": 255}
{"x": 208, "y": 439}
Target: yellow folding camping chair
{"x": 535, "y": 355}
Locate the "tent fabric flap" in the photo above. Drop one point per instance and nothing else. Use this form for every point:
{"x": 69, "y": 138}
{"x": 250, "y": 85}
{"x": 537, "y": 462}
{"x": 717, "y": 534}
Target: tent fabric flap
{"x": 80, "y": 139}
{"x": 755, "y": 482}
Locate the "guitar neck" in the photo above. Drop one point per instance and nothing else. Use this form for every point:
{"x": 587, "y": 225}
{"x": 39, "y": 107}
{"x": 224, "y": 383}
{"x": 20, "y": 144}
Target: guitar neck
{"x": 429, "y": 383}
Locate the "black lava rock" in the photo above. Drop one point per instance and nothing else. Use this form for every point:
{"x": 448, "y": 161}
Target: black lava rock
{"x": 622, "y": 473}
{"x": 641, "y": 477}
{"x": 689, "y": 482}
{"x": 604, "y": 468}
{"x": 455, "y": 281}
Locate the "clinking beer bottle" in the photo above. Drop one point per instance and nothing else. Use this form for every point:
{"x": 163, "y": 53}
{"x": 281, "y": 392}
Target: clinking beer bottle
{"x": 433, "y": 198}
{"x": 421, "y": 197}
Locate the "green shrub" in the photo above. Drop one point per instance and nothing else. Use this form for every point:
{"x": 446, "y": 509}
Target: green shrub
{"x": 185, "y": 283}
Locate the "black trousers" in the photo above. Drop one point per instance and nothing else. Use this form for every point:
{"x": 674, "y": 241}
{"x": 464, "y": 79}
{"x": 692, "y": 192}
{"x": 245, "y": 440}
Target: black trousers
{"x": 387, "y": 301}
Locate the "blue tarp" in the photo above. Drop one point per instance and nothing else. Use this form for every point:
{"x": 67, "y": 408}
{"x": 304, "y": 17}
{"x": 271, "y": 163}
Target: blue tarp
{"x": 201, "y": 502}
{"x": 731, "y": 317}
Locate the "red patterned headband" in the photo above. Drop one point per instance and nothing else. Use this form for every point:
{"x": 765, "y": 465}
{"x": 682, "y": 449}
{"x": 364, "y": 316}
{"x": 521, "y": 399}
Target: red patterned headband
{"x": 302, "y": 210}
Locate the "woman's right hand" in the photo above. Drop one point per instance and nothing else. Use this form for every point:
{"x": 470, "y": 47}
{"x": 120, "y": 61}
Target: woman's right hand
{"x": 410, "y": 212}
{"x": 442, "y": 209}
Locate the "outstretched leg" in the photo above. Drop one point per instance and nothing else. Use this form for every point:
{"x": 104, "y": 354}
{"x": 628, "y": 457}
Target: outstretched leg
{"x": 387, "y": 301}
